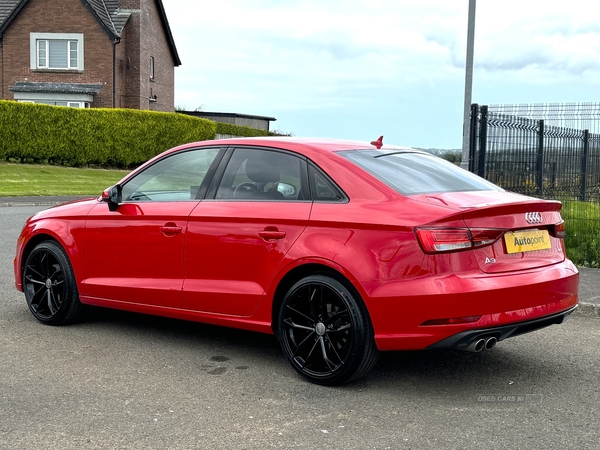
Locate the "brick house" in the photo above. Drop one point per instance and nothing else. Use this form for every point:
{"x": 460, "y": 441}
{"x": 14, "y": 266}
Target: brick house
{"x": 87, "y": 53}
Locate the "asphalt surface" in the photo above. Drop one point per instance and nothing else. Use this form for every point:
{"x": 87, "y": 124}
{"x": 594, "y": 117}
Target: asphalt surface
{"x": 589, "y": 280}
{"x": 119, "y": 380}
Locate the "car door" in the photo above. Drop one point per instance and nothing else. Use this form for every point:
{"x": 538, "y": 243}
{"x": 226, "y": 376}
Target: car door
{"x": 135, "y": 253}
{"x": 237, "y": 239}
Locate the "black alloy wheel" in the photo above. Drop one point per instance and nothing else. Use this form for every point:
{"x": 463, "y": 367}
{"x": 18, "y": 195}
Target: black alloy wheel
{"x": 325, "y": 331}
{"x": 49, "y": 285}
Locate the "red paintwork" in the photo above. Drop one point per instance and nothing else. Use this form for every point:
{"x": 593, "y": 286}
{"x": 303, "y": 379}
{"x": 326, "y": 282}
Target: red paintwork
{"x": 228, "y": 265}
{"x": 128, "y": 257}
{"x": 206, "y": 260}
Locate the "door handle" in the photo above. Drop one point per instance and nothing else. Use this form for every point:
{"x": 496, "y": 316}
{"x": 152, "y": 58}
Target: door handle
{"x": 270, "y": 234}
{"x": 170, "y": 229}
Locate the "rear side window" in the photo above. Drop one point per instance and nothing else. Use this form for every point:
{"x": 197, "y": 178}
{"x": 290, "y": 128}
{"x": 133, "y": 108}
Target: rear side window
{"x": 411, "y": 173}
{"x": 323, "y": 189}
{"x": 258, "y": 174}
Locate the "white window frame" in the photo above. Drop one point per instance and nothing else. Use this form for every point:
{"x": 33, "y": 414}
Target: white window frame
{"x": 37, "y": 39}
{"x": 69, "y": 103}
{"x": 83, "y": 100}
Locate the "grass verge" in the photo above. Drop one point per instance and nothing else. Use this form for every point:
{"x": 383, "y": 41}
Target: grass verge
{"x": 582, "y": 221}
{"x": 21, "y": 180}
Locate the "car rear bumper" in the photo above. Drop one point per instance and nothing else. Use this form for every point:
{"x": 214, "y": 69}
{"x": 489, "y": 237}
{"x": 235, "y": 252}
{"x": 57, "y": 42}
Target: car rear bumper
{"x": 401, "y": 316}
{"x": 465, "y": 339}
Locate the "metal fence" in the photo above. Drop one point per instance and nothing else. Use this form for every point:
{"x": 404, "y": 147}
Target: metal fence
{"x": 548, "y": 151}
{"x": 543, "y": 150}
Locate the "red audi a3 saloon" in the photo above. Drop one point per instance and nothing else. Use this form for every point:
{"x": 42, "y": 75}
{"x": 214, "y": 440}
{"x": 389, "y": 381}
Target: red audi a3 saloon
{"x": 341, "y": 249}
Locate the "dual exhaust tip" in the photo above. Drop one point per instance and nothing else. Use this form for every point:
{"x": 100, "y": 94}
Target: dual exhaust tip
{"x": 480, "y": 344}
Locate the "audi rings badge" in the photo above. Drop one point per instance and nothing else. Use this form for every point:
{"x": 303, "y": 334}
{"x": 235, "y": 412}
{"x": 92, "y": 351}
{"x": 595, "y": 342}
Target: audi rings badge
{"x": 533, "y": 218}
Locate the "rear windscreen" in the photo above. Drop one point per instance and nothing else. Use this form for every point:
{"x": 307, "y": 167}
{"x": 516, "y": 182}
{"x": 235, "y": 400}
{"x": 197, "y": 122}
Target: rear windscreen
{"x": 411, "y": 173}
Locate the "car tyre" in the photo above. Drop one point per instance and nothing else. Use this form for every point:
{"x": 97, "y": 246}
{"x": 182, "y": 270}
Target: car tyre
{"x": 49, "y": 285}
{"x": 325, "y": 331}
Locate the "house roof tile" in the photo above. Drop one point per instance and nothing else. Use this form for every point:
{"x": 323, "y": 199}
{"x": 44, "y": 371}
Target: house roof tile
{"x": 63, "y": 88}
{"x": 6, "y": 9}
{"x": 107, "y": 12}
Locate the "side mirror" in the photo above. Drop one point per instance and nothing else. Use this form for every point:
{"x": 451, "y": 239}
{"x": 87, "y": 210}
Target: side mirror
{"x": 112, "y": 196}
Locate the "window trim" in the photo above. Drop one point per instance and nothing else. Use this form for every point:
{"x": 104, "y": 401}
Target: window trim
{"x": 35, "y": 38}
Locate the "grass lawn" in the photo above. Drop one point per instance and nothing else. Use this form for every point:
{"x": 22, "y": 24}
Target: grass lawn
{"x": 583, "y": 233}
{"x": 17, "y": 180}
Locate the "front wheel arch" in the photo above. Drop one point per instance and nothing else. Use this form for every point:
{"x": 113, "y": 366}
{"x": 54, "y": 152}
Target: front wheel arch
{"x": 32, "y": 243}
{"x": 49, "y": 283}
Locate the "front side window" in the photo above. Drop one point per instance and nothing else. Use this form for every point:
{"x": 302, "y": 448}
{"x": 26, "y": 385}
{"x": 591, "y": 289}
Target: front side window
{"x": 57, "y": 51}
{"x": 177, "y": 177}
{"x": 257, "y": 174}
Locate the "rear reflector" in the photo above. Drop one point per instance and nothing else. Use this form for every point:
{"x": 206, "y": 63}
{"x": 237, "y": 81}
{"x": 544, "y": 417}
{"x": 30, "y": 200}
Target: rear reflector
{"x": 441, "y": 240}
{"x": 453, "y": 321}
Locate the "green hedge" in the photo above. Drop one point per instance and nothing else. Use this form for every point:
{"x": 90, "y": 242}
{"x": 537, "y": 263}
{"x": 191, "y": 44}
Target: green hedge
{"x": 240, "y": 130}
{"x": 121, "y": 138}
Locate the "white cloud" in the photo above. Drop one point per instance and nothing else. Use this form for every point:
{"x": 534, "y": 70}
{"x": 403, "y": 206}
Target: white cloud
{"x": 555, "y": 36}
{"x": 325, "y": 58}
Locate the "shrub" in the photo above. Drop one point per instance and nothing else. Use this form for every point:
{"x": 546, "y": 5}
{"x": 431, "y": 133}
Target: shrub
{"x": 230, "y": 129}
{"x": 121, "y": 138}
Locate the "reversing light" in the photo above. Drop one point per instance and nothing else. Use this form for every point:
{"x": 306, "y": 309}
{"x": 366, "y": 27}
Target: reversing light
{"x": 443, "y": 240}
{"x": 452, "y": 321}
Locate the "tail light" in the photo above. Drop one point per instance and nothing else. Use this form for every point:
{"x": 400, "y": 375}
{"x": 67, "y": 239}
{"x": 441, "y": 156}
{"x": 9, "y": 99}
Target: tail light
{"x": 558, "y": 230}
{"x": 443, "y": 240}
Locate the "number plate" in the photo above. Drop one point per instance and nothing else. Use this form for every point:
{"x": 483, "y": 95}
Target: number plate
{"x": 527, "y": 241}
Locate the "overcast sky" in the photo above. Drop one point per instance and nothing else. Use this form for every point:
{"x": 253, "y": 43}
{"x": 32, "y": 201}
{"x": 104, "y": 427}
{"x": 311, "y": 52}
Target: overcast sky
{"x": 357, "y": 69}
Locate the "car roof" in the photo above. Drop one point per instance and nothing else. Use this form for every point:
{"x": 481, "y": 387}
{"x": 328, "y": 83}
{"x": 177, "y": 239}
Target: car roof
{"x": 296, "y": 143}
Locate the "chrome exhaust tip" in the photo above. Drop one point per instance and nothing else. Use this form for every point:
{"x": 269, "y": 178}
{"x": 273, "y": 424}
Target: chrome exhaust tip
{"x": 476, "y": 346}
{"x": 490, "y": 343}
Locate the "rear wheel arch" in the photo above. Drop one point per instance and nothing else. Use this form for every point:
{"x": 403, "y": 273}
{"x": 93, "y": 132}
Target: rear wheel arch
{"x": 303, "y": 271}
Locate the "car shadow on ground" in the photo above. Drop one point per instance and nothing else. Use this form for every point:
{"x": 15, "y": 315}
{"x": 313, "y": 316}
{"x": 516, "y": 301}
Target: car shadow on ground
{"x": 424, "y": 372}
{"x": 179, "y": 330}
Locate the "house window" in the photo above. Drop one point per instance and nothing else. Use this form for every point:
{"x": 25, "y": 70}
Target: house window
{"x": 152, "y": 68}
{"x": 57, "y": 54}
{"x": 56, "y": 51}
{"x": 59, "y": 103}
